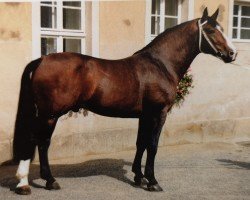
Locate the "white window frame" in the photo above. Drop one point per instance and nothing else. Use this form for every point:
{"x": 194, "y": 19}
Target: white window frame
{"x": 38, "y": 32}
{"x": 148, "y": 35}
{"x": 231, "y": 15}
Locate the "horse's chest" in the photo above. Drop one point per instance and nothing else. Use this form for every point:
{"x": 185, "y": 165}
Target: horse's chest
{"x": 160, "y": 94}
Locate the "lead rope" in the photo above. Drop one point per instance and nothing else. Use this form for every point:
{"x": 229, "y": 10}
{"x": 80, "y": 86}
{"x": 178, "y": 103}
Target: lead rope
{"x": 202, "y": 32}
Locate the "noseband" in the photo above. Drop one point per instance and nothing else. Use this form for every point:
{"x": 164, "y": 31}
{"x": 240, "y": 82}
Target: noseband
{"x": 203, "y": 33}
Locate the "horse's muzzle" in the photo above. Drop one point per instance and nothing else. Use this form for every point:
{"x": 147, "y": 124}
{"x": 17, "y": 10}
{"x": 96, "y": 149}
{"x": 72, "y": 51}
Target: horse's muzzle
{"x": 230, "y": 57}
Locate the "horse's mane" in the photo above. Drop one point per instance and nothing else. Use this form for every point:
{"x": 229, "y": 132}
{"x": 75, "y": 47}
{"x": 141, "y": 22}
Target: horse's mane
{"x": 164, "y": 34}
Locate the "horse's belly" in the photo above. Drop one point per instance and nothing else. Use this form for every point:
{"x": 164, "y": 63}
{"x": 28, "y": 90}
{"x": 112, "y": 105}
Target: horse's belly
{"x": 114, "y": 109}
{"x": 116, "y": 113}
{"x": 116, "y": 100}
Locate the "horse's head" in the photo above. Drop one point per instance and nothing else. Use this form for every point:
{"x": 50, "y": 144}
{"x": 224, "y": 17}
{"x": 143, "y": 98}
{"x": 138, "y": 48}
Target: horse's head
{"x": 212, "y": 40}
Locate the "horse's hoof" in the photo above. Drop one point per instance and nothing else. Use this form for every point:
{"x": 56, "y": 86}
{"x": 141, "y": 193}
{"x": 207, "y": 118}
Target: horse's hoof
{"x": 23, "y": 190}
{"x": 154, "y": 188}
{"x": 140, "y": 182}
{"x": 53, "y": 186}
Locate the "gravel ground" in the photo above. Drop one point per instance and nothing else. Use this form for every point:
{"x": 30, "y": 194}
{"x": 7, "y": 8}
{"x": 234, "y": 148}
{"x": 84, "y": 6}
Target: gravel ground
{"x": 193, "y": 171}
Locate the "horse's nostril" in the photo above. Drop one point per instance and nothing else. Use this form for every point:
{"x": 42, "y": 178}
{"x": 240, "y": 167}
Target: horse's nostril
{"x": 231, "y": 53}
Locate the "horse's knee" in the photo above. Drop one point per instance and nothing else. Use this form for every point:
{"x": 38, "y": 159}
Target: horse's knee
{"x": 152, "y": 150}
{"x": 44, "y": 143}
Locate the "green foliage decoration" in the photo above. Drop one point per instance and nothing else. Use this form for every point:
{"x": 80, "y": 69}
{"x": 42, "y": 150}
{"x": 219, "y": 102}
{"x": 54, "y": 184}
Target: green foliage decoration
{"x": 183, "y": 89}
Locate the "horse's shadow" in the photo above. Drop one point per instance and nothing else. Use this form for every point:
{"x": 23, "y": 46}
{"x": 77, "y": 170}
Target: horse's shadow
{"x": 110, "y": 167}
{"x": 232, "y": 164}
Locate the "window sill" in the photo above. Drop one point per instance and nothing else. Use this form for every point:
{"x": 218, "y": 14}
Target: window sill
{"x": 241, "y": 41}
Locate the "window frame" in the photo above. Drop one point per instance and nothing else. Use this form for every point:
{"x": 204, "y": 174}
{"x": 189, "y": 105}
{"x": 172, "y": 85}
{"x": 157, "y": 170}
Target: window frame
{"x": 239, "y": 16}
{"x": 148, "y": 36}
{"x": 60, "y": 33}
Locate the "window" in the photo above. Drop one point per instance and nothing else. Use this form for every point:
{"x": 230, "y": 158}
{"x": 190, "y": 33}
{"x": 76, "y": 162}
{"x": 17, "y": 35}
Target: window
{"x": 241, "y": 21}
{"x": 164, "y": 14}
{"x": 61, "y": 26}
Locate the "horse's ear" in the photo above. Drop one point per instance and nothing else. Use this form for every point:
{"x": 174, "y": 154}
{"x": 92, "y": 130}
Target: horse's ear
{"x": 204, "y": 15}
{"x": 215, "y": 15}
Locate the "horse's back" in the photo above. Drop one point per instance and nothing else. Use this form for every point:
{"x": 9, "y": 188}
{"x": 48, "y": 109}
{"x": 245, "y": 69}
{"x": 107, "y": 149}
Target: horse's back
{"x": 66, "y": 81}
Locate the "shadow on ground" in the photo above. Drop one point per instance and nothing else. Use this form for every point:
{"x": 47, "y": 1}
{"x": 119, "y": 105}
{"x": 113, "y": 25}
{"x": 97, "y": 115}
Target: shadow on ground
{"x": 109, "y": 167}
{"x": 234, "y": 164}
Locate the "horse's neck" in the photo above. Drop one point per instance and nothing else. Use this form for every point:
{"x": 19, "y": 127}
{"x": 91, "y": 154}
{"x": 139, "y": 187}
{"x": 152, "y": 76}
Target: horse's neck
{"x": 177, "y": 48}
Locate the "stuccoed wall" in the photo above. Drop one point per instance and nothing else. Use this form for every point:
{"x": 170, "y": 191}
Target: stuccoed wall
{"x": 122, "y": 28}
{"x": 218, "y": 107}
{"x": 216, "y": 110}
{"x": 212, "y": 5}
{"x": 15, "y": 53}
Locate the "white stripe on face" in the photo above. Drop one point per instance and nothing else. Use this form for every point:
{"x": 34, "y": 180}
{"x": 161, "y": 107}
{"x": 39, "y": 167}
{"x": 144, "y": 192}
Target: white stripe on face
{"x": 22, "y": 172}
{"x": 229, "y": 43}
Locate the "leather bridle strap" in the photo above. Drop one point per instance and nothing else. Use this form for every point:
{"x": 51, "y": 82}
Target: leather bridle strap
{"x": 202, "y": 32}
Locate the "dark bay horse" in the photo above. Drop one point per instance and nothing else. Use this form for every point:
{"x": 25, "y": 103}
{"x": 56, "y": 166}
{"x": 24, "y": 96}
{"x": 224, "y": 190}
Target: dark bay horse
{"x": 141, "y": 86}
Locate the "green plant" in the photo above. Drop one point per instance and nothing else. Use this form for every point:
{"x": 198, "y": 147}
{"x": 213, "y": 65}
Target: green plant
{"x": 183, "y": 89}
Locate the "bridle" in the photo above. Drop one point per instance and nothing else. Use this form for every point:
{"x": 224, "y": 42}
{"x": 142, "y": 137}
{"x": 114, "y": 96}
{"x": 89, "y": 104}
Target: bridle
{"x": 203, "y": 33}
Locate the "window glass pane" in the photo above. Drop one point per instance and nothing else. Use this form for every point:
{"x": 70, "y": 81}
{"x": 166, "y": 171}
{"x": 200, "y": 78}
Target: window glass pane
{"x": 235, "y": 21}
{"x": 155, "y": 25}
{"x": 235, "y": 33}
{"x": 158, "y": 29}
{"x": 245, "y": 34}
{"x": 48, "y": 45}
{"x": 72, "y": 3}
{"x": 170, "y": 22}
{"x": 171, "y": 7}
{"x": 46, "y": 17}
{"x": 72, "y": 45}
{"x": 245, "y": 22}
{"x": 246, "y": 10}
{"x": 236, "y": 9}
{"x": 71, "y": 19}
{"x": 54, "y": 16}
{"x": 156, "y": 6}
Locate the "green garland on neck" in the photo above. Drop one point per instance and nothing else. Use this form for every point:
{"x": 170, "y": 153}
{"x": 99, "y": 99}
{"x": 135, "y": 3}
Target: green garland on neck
{"x": 183, "y": 89}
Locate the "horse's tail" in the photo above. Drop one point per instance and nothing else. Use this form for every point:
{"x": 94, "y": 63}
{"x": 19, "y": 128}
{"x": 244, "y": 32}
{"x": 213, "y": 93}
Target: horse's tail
{"x": 24, "y": 144}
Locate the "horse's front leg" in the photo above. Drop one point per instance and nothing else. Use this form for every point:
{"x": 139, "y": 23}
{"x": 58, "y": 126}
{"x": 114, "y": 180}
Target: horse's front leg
{"x": 46, "y": 130}
{"x": 157, "y": 123}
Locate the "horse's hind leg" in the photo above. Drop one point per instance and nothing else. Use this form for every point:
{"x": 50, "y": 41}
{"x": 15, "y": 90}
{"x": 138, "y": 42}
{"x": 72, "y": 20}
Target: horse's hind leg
{"x": 46, "y": 127}
{"x": 26, "y": 149}
{"x": 22, "y": 174}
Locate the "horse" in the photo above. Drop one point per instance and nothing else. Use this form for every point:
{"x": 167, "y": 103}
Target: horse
{"x": 142, "y": 86}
